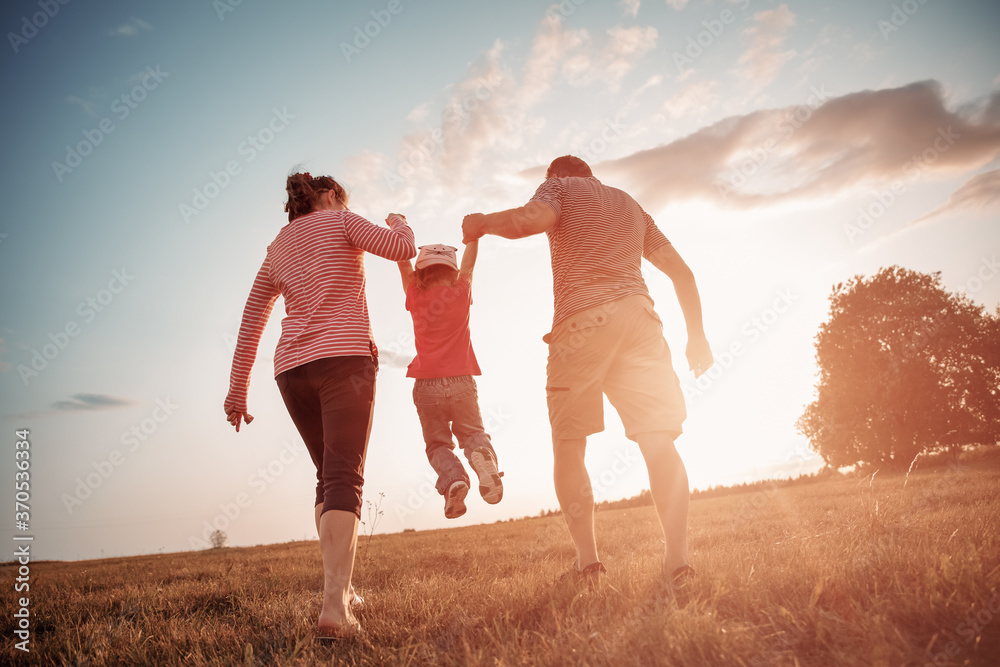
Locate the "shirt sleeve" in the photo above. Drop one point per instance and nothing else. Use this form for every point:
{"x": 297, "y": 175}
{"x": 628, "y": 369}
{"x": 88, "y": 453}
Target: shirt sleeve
{"x": 550, "y": 192}
{"x": 258, "y": 308}
{"x": 395, "y": 243}
{"x": 653, "y": 238}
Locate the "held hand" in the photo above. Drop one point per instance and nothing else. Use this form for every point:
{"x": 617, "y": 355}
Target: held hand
{"x": 388, "y": 218}
{"x": 699, "y": 355}
{"x": 472, "y": 227}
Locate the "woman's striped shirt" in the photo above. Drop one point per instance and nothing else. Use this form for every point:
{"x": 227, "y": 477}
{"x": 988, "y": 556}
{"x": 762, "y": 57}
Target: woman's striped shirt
{"x": 317, "y": 264}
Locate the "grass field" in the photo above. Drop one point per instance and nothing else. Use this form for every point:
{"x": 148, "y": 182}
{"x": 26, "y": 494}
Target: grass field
{"x": 850, "y": 571}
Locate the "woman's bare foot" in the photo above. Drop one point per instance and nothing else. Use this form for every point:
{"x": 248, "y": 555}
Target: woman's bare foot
{"x": 355, "y": 600}
{"x": 337, "y": 626}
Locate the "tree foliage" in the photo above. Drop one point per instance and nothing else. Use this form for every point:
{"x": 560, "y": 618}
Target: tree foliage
{"x": 218, "y": 539}
{"x": 904, "y": 368}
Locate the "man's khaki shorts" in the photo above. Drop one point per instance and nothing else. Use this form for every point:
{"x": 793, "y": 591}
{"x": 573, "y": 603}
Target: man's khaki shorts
{"x": 615, "y": 349}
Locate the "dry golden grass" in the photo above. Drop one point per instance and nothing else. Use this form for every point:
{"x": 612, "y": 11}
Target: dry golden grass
{"x": 853, "y": 571}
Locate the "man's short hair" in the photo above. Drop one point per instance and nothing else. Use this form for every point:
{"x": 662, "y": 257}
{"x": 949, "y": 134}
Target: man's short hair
{"x": 568, "y": 165}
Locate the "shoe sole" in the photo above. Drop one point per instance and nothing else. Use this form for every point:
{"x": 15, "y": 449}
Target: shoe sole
{"x": 454, "y": 504}
{"x": 490, "y": 486}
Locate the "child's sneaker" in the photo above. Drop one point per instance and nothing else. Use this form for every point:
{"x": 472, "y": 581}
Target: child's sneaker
{"x": 454, "y": 499}
{"x": 485, "y": 465}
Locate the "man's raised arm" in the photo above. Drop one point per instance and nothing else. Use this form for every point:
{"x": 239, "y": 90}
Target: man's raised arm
{"x": 515, "y": 223}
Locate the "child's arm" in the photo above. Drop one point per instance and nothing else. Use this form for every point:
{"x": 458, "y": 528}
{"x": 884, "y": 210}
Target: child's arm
{"x": 469, "y": 258}
{"x": 406, "y": 273}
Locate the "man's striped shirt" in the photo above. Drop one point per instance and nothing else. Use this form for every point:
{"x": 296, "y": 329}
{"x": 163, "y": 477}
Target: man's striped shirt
{"x": 597, "y": 243}
{"x": 317, "y": 264}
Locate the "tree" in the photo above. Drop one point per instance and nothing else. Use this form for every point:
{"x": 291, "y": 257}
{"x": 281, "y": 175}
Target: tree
{"x": 218, "y": 539}
{"x": 904, "y": 368}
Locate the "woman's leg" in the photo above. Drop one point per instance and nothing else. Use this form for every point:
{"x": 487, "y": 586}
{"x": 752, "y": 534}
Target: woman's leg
{"x": 347, "y": 393}
{"x": 354, "y": 600}
{"x": 330, "y": 401}
{"x": 338, "y": 540}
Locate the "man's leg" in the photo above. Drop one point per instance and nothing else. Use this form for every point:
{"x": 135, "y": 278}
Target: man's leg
{"x": 576, "y": 497}
{"x": 668, "y": 484}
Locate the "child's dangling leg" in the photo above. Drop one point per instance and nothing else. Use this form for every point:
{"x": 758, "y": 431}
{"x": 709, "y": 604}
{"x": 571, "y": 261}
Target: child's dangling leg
{"x": 433, "y": 411}
{"x": 475, "y": 441}
{"x": 453, "y": 482}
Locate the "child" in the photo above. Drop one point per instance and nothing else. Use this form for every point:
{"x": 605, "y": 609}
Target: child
{"x": 438, "y": 296}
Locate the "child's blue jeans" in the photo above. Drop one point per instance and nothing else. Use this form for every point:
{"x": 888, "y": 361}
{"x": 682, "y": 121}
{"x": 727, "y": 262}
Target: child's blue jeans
{"x": 446, "y": 406}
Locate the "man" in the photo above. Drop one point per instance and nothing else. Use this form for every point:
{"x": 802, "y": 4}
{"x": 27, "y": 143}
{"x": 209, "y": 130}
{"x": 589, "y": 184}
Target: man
{"x": 606, "y": 339}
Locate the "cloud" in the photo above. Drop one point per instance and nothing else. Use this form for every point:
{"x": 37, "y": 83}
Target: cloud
{"x": 479, "y": 113}
{"x": 90, "y": 402}
{"x": 131, "y": 28}
{"x": 419, "y": 113}
{"x": 765, "y": 56}
{"x": 631, "y": 7}
{"x": 981, "y": 191}
{"x": 692, "y": 100}
{"x": 488, "y": 121}
{"x": 574, "y": 55}
{"x": 87, "y": 106}
{"x": 632, "y": 101}
{"x": 677, "y": 4}
{"x": 88, "y": 102}
{"x": 80, "y": 403}
{"x": 625, "y": 48}
{"x": 552, "y": 49}
{"x": 822, "y": 151}
{"x": 609, "y": 65}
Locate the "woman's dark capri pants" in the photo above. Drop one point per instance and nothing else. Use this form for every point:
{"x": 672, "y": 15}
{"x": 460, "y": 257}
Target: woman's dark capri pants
{"x": 330, "y": 401}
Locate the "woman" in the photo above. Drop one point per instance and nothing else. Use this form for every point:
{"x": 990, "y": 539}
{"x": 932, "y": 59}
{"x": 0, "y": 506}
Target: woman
{"x": 325, "y": 362}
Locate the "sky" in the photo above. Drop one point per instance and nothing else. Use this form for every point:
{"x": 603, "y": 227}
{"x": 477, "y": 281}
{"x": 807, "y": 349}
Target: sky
{"x": 783, "y": 147}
